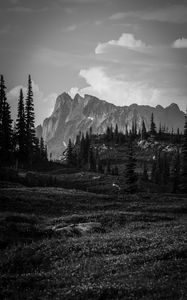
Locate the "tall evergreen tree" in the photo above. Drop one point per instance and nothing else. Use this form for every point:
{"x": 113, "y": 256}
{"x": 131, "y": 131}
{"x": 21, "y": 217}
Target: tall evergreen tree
{"x": 30, "y": 118}
{"x": 5, "y": 125}
{"x": 43, "y": 151}
{"x": 69, "y": 155}
{"x": 116, "y": 130}
{"x": 129, "y": 173}
{"x": 21, "y": 128}
{"x": 183, "y": 174}
{"x": 153, "y": 126}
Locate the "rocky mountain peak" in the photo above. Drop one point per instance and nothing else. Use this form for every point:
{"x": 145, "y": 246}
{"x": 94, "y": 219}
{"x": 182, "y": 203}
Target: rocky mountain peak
{"x": 70, "y": 116}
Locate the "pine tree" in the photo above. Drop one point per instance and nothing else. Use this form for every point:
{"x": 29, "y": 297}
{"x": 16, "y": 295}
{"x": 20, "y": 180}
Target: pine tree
{"x": 153, "y": 126}
{"x": 30, "y": 118}
{"x": 129, "y": 173}
{"x": 116, "y": 130}
{"x": 69, "y": 155}
{"x": 43, "y": 151}
{"x": 21, "y": 128}
{"x": 183, "y": 174}
{"x": 5, "y": 126}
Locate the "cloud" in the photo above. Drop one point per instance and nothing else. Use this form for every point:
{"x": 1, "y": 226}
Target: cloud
{"x": 126, "y": 40}
{"x": 180, "y": 43}
{"x": 115, "y": 90}
{"x": 43, "y": 105}
{"x": 24, "y": 9}
{"x": 70, "y": 28}
{"x": 170, "y": 14}
{"x": 119, "y": 16}
{"x": 73, "y": 91}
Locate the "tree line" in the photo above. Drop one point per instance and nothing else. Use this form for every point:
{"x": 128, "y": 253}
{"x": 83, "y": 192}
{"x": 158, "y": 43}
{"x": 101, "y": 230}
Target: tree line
{"x": 18, "y": 143}
{"x": 85, "y": 153}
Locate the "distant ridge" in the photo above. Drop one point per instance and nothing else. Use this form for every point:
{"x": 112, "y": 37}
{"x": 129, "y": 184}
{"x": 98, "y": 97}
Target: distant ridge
{"x": 73, "y": 115}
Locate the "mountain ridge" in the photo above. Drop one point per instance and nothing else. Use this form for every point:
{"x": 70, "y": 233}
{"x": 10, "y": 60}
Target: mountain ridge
{"x": 72, "y": 115}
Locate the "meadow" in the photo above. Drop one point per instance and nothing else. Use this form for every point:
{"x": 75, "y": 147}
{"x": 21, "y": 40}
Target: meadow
{"x": 70, "y": 244}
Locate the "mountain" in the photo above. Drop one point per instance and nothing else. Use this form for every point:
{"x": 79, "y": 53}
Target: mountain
{"x": 73, "y": 115}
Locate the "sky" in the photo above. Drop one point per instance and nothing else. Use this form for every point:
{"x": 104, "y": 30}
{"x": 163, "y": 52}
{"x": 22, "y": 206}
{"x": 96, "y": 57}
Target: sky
{"x": 122, "y": 51}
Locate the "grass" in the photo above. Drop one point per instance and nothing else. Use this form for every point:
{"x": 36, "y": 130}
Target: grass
{"x": 139, "y": 253}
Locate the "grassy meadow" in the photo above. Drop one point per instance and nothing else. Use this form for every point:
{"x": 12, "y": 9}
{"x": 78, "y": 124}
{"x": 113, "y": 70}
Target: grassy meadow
{"x": 70, "y": 244}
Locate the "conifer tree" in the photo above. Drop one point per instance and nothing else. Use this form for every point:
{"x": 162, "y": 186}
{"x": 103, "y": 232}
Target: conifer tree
{"x": 21, "y": 128}
{"x": 129, "y": 173}
{"x": 69, "y": 155}
{"x": 43, "y": 152}
{"x": 153, "y": 126}
{"x": 5, "y": 125}
{"x": 116, "y": 134}
{"x": 116, "y": 130}
{"x": 183, "y": 174}
{"x": 30, "y": 118}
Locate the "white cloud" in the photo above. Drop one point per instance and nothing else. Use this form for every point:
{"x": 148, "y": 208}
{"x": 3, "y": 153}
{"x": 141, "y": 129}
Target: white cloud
{"x": 73, "y": 91}
{"x": 43, "y": 104}
{"x": 180, "y": 43}
{"x": 118, "y": 16}
{"x": 71, "y": 28}
{"x": 170, "y": 14}
{"x": 126, "y": 40}
{"x": 115, "y": 90}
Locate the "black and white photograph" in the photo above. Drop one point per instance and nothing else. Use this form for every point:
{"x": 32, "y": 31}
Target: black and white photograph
{"x": 93, "y": 149}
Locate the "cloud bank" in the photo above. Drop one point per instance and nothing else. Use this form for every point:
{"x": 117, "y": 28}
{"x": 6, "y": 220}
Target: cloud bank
{"x": 126, "y": 40}
{"x": 115, "y": 90}
{"x": 169, "y": 14}
{"x": 180, "y": 43}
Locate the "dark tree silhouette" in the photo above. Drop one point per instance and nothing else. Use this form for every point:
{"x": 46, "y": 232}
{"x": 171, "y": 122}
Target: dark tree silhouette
{"x": 43, "y": 151}
{"x": 183, "y": 175}
{"x": 30, "y": 118}
{"x": 5, "y": 126}
{"x": 153, "y": 126}
{"x": 69, "y": 154}
{"x": 21, "y": 129}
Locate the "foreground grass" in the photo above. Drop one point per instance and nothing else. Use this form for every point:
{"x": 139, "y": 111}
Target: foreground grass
{"x": 138, "y": 252}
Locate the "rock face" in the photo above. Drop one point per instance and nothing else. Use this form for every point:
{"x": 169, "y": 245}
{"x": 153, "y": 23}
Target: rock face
{"x": 73, "y": 115}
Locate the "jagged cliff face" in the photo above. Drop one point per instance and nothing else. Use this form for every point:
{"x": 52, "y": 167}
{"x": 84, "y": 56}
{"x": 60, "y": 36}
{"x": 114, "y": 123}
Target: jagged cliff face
{"x": 73, "y": 115}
